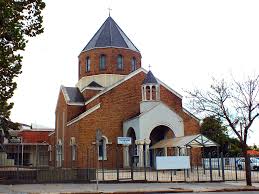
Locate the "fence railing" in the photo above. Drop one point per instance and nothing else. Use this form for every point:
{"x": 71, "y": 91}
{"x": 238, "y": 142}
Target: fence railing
{"x": 211, "y": 168}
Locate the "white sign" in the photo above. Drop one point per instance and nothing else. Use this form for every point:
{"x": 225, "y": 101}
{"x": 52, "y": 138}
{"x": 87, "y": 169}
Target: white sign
{"x": 124, "y": 140}
{"x": 172, "y": 162}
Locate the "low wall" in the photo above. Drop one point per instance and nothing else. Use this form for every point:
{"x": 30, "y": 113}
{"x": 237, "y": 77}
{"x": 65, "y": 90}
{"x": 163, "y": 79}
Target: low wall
{"x": 57, "y": 175}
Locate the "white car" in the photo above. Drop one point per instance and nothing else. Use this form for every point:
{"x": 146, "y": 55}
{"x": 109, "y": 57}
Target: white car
{"x": 254, "y": 163}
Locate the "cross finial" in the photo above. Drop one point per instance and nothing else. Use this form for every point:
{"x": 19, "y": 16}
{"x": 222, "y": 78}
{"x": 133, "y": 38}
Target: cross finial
{"x": 149, "y": 67}
{"x": 109, "y": 11}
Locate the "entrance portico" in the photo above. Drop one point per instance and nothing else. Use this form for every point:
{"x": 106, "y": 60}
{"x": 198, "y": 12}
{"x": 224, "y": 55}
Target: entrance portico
{"x": 156, "y": 123}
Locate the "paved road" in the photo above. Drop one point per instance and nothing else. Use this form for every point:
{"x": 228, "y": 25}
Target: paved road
{"x": 124, "y": 187}
{"x": 240, "y": 192}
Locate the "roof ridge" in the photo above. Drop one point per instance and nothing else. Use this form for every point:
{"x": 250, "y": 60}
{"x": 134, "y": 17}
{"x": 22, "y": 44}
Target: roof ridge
{"x": 110, "y": 35}
{"x": 94, "y": 35}
{"x": 150, "y": 78}
{"x": 141, "y": 69}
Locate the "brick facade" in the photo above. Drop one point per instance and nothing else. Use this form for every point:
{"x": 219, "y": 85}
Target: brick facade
{"x": 117, "y": 105}
{"x": 111, "y": 61}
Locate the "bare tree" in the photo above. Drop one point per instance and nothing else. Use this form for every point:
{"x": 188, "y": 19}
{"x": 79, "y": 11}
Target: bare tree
{"x": 235, "y": 103}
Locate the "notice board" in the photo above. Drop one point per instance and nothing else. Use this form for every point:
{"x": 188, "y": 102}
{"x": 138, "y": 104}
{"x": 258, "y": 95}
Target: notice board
{"x": 172, "y": 162}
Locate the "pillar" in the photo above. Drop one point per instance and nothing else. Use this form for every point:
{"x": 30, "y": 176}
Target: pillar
{"x": 140, "y": 144}
{"x": 145, "y": 93}
{"x": 126, "y": 155}
{"x": 150, "y": 93}
{"x": 157, "y": 93}
{"x": 147, "y": 143}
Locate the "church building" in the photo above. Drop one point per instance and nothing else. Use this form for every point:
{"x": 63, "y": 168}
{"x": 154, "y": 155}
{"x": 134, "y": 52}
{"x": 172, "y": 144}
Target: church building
{"x": 120, "y": 98}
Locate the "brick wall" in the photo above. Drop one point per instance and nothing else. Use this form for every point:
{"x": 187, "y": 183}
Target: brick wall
{"x": 117, "y": 105}
{"x": 34, "y": 136}
{"x": 111, "y": 61}
{"x": 74, "y": 111}
{"x": 87, "y": 93}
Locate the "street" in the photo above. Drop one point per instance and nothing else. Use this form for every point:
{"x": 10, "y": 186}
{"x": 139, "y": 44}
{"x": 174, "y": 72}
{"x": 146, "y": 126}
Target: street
{"x": 240, "y": 192}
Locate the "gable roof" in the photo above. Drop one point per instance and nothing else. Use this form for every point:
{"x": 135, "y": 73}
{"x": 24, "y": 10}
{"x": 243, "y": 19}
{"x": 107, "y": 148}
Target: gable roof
{"x": 151, "y": 109}
{"x": 94, "y": 84}
{"x": 110, "y": 35}
{"x": 150, "y": 78}
{"x": 194, "y": 141}
{"x": 72, "y": 95}
{"x": 127, "y": 78}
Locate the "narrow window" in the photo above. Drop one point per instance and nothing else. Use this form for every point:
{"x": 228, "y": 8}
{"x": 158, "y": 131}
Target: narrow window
{"x": 87, "y": 64}
{"x": 120, "y": 62}
{"x": 73, "y": 152}
{"x": 133, "y": 64}
{"x": 102, "y": 63}
{"x": 50, "y": 152}
{"x": 102, "y": 149}
{"x": 59, "y": 153}
{"x": 73, "y": 148}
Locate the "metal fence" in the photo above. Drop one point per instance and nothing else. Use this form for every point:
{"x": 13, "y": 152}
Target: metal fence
{"x": 204, "y": 168}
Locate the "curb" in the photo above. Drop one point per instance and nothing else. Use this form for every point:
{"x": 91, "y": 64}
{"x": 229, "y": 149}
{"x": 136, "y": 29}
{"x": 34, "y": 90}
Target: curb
{"x": 168, "y": 191}
{"x": 135, "y": 192}
{"x": 230, "y": 190}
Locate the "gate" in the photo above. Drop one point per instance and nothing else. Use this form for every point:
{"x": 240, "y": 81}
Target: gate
{"x": 16, "y": 168}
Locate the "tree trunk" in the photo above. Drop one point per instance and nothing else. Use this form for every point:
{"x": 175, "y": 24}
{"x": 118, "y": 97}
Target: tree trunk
{"x": 247, "y": 165}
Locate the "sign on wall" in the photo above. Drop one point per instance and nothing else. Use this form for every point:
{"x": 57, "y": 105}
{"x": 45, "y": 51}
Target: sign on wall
{"x": 172, "y": 162}
{"x": 124, "y": 140}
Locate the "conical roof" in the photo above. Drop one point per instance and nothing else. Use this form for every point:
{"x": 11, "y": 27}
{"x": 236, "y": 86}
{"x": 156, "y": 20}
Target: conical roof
{"x": 110, "y": 35}
{"x": 150, "y": 79}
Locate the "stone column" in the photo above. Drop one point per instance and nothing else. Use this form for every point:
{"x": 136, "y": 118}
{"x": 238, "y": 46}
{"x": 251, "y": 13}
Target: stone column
{"x": 140, "y": 144}
{"x": 147, "y": 143}
{"x": 150, "y": 89}
{"x": 126, "y": 155}
{"x": 145, "y": 93}
{"x": 165, "y": 151}
{"x": 157, "y": 93}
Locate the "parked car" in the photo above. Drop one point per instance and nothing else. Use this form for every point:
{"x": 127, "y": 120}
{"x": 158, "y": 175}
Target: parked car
{"x": 254, "y": 163}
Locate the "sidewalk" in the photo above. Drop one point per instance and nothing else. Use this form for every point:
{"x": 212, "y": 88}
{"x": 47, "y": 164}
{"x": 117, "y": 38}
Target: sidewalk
{"x": 125, "y": 188}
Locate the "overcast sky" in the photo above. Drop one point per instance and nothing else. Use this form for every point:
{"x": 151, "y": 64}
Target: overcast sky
{"x": 185, "y": 42}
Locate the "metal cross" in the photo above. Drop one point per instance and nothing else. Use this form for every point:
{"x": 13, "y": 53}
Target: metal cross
{"x": 149, "y": 66}
{"x": 109, "y": 11}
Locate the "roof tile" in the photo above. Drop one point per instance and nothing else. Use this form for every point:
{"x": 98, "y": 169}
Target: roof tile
{"x": 110, "y": 35}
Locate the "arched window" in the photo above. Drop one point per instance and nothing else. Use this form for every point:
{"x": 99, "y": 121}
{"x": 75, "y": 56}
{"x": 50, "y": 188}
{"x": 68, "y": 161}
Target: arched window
{"x": 59, "y": 154}
{"x": 102, "y": 62}
{"x": 133, "y": 64}
{"x": 87, "y": 64}
{"x": 73, "y": 148}
{"x": 50, "y": 152}
{"x": 154, "y": 93}
{"x": 120, "y": 62}
{"x": 102, "y": 153}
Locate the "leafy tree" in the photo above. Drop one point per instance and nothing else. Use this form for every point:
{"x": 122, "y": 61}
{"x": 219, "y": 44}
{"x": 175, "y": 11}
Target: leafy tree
{"x": 234, "y": 148}
{"x": 19, "y": 19}
{"x": 235, "y": 103}
{"x": 214, "y": 129}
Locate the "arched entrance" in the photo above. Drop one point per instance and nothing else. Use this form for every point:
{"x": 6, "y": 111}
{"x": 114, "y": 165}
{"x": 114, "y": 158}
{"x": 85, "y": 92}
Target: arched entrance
{"x": 132, "y": 148}
{"x": 157, "y": 134}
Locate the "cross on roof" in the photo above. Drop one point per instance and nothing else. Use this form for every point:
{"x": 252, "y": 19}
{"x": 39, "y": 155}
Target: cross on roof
{"x": 109, "y": 11}
{"x": 149, "y": 67}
